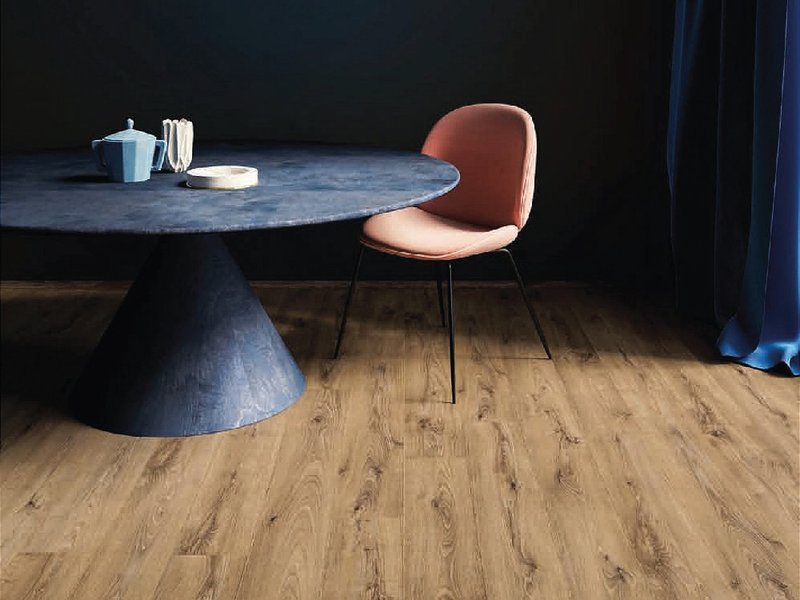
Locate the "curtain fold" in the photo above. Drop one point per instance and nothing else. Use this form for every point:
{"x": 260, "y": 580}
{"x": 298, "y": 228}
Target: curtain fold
{"x": 765, "y": 331}
{"x": 734, "y": 170}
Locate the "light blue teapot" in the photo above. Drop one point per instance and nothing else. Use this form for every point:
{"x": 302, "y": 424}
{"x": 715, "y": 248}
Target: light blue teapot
{"x": 129, "y": 155}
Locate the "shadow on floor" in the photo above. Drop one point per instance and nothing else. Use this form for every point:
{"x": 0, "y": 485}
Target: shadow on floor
{"x": 48, "y": 333}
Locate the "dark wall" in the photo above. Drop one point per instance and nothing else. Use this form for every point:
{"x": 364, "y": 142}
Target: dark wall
{"x": 594, "y": 74}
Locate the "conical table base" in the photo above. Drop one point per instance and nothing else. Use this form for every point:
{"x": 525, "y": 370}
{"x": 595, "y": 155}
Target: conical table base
{"x": 190, "y": 350}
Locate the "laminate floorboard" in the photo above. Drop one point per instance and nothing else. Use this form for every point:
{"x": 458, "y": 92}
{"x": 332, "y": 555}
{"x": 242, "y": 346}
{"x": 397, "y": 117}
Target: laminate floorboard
{"x": 637, "y": 464}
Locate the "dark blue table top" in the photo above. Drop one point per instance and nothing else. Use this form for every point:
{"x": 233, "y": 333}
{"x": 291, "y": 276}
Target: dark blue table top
{"x": 299, "y": 184}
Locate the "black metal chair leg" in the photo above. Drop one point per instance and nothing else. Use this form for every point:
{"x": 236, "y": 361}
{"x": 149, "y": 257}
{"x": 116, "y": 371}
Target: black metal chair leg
{"x": 353, "y": 282}
{"x": 438, "y": 268}
{"x": 451, "y": 322}
{"x": 532, "y": 312}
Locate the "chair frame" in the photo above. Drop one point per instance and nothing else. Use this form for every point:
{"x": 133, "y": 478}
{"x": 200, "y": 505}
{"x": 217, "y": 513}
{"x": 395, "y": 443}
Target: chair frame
{"x": 450, "y": 308}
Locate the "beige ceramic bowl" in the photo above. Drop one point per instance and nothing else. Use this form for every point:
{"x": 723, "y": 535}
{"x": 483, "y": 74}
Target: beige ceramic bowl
{"x": 222, "y": 177}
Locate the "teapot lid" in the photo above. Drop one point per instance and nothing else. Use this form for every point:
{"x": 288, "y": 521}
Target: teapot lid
{"x": 129, "y": 134}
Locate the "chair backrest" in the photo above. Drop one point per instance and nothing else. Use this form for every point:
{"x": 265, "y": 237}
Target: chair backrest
{"x": 494, "y": 148}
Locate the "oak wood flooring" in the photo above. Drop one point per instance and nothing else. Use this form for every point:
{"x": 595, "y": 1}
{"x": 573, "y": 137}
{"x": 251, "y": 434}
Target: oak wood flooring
{"x": 635, "y": 465}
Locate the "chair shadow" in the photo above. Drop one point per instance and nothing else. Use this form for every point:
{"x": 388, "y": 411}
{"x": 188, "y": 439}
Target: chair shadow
{"x": 576, "y": 330}
{"x": 311, "y": 335}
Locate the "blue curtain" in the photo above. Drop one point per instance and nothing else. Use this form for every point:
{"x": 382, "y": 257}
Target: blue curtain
{"x": 734, "y": 171}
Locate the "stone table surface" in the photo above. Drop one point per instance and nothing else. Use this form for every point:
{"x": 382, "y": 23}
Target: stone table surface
{"x": 299, "y": 184}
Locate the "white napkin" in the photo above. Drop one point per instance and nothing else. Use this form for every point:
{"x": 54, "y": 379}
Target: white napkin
{"x": 179, "y": 135}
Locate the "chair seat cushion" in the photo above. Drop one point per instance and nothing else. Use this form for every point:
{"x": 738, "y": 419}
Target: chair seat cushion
{"x": 415, "y": 233}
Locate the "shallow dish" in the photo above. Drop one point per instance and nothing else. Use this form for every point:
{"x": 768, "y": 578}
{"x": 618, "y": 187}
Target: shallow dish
{"x": 222, "y": 177}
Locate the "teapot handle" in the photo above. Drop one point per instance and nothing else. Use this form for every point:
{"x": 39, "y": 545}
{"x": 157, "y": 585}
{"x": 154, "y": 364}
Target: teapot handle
{"x": 97, "y": 148}
{"x": 158, "y": 158}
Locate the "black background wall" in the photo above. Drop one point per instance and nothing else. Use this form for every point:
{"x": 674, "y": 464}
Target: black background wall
{"x": 594, "y": 75}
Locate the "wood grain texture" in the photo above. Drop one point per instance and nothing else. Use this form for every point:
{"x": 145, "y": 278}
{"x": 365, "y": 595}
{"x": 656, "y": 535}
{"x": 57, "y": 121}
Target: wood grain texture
{"x": 635, "y": 465}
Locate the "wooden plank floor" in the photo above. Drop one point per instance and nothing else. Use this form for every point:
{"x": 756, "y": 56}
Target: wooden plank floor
{"x": 634, "y": 465}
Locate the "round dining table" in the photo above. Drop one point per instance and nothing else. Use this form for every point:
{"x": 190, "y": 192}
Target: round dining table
{"x": 191, "y": 349}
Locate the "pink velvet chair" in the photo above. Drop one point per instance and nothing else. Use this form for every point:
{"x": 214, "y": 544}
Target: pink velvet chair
{"x": 494, "y": 148}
